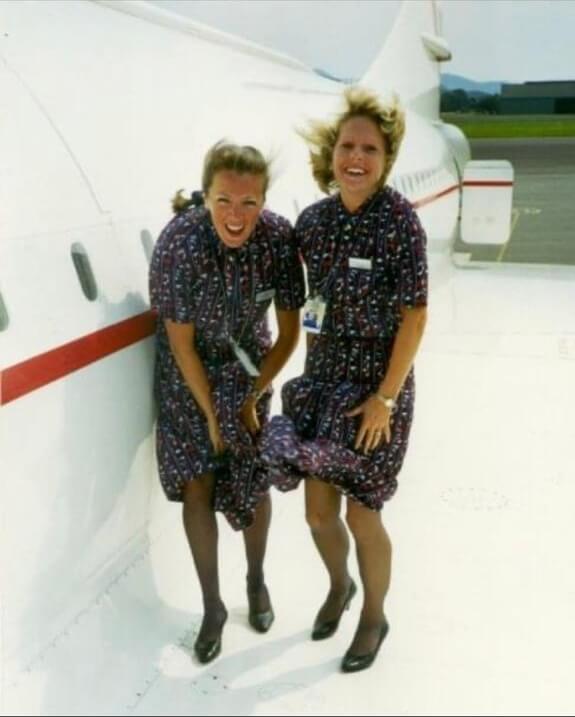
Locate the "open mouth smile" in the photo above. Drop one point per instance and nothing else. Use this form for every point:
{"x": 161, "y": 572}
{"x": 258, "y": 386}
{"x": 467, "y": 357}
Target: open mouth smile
{"x": 235, "y": 229}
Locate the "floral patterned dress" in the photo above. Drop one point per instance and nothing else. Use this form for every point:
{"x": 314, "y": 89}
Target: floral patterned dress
{"x": 225, "y": 293}
{"x": 367, "y": 266}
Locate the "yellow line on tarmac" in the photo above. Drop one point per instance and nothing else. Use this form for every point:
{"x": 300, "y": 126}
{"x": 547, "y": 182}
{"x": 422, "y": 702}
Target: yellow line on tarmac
{"x": 514, "y": 219}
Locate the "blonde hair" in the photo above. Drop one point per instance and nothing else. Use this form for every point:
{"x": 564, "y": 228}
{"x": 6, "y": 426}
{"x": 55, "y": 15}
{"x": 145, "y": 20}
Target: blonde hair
{"x": 322, "y": 137}
{"x": 243, "y": 159}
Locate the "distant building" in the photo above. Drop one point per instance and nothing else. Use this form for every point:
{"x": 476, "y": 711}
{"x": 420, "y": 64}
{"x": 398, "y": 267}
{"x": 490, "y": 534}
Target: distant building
{"x": 539, "y": 98}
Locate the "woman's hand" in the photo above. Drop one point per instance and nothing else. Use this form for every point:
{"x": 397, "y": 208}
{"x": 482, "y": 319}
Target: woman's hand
{"x": 375, "y": 424}
{"x": 249, "y": 416}
{"x": 215, "y": 435}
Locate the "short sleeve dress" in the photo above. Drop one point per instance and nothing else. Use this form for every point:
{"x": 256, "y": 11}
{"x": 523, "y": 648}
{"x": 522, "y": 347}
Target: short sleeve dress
{"x": 225, "y": 293}
{"x": 366, "y": 266}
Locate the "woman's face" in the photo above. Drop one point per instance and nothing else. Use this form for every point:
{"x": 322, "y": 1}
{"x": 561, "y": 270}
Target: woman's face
{"x": 235, "y": 201}
{"x": 358, "y": 160}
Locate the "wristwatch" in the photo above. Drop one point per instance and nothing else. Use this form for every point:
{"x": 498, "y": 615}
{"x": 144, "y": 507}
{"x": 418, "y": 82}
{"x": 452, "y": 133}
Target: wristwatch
{"x": 387, "y": 401}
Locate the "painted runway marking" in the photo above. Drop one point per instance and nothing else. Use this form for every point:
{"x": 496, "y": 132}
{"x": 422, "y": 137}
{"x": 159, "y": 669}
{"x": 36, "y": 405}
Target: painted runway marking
{"x": 514, "y": 219}
{"x": 476, "y": 499}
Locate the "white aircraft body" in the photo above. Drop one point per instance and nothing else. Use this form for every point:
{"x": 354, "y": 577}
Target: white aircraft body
{"x": 106, "y": 108}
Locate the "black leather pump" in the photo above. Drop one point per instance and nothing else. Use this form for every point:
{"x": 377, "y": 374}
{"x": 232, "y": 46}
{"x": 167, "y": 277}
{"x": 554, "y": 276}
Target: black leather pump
{"x": 260, "y": 621}
{"x": 208, "y": 650}
{"x": 355, "y": 663}
{"x": 322, "y": 630}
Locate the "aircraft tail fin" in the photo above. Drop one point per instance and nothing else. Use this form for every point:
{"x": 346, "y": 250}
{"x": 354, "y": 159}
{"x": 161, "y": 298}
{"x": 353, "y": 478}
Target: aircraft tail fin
{"x": 408, "y": 63}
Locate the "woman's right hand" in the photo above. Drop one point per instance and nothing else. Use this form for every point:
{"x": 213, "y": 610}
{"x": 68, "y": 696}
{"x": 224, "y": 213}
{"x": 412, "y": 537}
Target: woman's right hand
{"x": 215, "y": 435}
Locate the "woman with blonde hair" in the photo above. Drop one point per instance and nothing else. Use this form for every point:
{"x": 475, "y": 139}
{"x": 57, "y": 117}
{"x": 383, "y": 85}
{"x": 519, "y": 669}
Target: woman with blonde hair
{"x": 347, "y": 419}
{"x": 214, "y": 273}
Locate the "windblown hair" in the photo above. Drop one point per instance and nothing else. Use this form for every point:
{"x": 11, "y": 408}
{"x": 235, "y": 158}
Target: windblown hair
{"x": 322, "y": 137}
{"x": 180, "y": 203}
{"x": 225, "y": 156}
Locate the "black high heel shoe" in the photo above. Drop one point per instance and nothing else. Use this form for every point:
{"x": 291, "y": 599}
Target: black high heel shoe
{"x": 325, "y": 629}
{"x": 208, "y": 650}
{"x": 263, "y": 620}
{"x": 355, "y": 663}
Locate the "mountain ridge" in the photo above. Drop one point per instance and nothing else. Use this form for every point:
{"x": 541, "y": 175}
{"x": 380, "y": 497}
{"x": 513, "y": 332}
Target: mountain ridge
{"x": 450, "y": 82}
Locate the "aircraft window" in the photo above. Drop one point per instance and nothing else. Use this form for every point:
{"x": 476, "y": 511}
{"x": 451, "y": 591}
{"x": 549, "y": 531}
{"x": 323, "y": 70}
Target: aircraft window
{"x": 84, "y": 271}
{"x": 147, "y": 243}
{"x": 4, "y": 319}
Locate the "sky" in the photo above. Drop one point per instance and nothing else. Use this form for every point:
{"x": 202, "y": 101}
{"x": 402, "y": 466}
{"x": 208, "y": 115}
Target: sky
{"x": 491, "y": 40}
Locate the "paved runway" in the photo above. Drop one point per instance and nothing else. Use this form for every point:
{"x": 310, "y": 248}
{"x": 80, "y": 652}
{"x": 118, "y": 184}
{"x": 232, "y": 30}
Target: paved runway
{"x": 544, "y": 210}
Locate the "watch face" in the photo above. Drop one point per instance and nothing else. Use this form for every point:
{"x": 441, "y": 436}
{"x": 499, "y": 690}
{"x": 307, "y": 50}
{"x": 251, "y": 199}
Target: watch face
{"x": 387, "y": 402}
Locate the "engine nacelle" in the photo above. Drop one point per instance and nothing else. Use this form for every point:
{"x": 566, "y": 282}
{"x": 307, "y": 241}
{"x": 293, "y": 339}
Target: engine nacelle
{"x": 487, "y": 202}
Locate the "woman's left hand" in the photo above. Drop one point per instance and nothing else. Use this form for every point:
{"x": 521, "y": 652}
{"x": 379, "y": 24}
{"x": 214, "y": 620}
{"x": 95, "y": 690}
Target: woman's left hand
{"x": 375, "y": 424}
{"x": 249, "y": 416}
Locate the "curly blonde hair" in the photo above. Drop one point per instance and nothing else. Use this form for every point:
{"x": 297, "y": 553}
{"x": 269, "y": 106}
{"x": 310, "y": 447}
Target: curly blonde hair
{"x": 322, "y": 137}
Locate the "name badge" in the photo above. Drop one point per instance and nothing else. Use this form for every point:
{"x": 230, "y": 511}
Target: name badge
{"x": 244, "y": 359}
{"x": 313, "y": 313}
{"x": 356, "y": 262}
{"x": 265, "y": 295}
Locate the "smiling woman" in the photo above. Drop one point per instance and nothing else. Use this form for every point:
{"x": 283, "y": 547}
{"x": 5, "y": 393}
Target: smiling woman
{"x": 214, "y": 273}
{"x": 354, "y": 128}
{"x": 358, "y": 160}
{"x": 347, "y": 420}
{"x": 235, "y": 202}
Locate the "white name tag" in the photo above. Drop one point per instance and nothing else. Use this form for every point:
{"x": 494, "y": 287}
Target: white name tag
{"x": 313, "y": 313}
{"x": 245, "y": 360}
{"x": 356, "y": 262}
{"x": 265, "y": 295}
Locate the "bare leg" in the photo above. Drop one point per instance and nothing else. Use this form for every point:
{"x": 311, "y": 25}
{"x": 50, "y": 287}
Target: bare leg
{"x": 255, "y": 541}
{"x": 202, "y": 532}
{"x": 323, "y": 504}
{"x": 374, "y": 559}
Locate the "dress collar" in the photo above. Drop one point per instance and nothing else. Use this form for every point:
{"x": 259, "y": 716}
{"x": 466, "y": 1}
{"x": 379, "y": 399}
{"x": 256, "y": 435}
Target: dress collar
{"x": 344, "y": 213}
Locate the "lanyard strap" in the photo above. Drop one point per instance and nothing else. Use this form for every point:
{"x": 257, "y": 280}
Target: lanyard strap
{"x": 221, "y": 261}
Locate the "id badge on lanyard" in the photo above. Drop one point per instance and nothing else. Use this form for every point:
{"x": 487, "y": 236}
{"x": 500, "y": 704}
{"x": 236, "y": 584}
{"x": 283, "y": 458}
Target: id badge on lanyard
{"x": 313, "y": 314}
{"x": 244, "y": 358}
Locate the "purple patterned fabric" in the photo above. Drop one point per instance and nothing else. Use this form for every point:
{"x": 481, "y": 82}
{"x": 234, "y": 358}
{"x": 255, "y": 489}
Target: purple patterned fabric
{"x": 195, "y": 278}
{"x": 350, "y": 356}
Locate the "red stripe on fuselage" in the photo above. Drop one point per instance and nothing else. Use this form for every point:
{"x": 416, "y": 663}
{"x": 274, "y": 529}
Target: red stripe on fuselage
{"x": 433, "y": 197}
{"x": 18, "y": 380}
{"x": 418, "y": 203}
{"x": 488, "y": 183}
